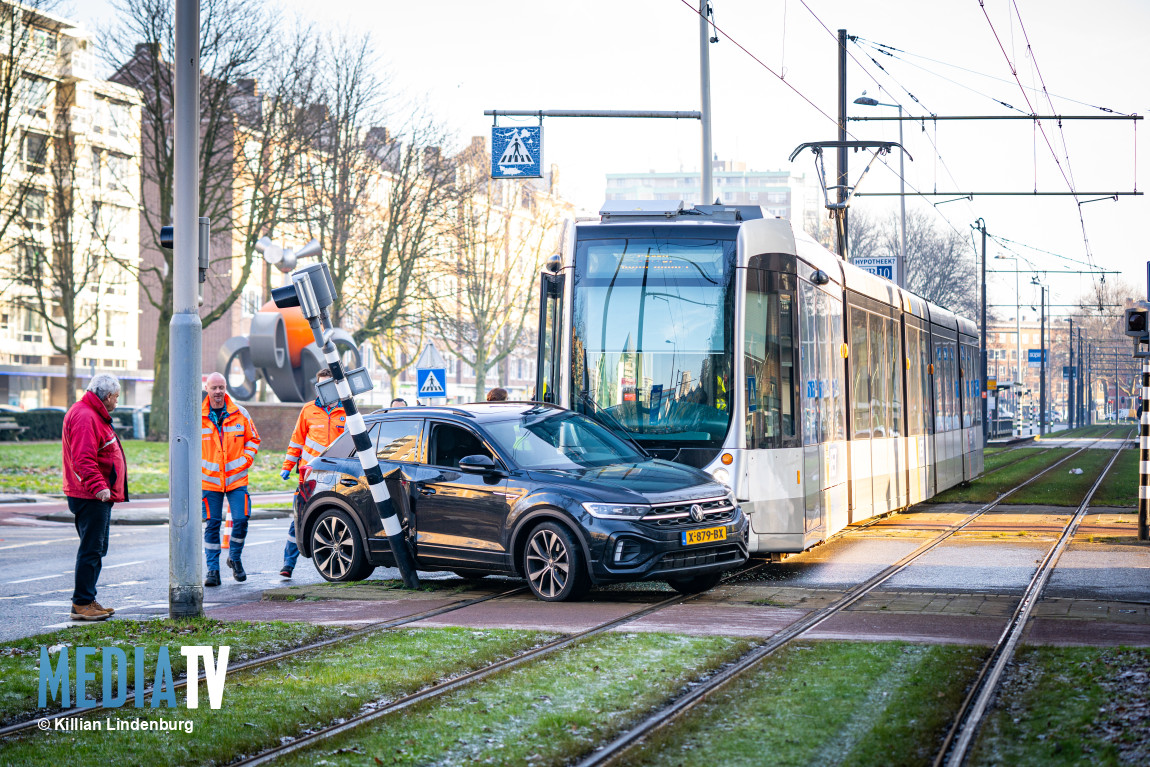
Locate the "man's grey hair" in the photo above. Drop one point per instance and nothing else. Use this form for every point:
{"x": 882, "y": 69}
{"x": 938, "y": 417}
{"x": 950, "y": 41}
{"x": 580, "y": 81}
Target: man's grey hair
{"x": 103, "y": 385}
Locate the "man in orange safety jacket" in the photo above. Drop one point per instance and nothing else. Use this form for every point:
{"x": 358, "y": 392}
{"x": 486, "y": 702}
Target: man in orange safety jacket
{"x": 315, "y": 429}
{"x": 229, "y": 445}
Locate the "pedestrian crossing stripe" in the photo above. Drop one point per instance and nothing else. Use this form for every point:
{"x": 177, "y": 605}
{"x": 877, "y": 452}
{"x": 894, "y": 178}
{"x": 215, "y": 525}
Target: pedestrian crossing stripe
{"x": 430, "y": 386}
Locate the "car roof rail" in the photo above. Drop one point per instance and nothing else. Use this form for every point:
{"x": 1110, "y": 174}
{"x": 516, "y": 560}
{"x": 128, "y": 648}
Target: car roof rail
{"x": 424, "y": 409}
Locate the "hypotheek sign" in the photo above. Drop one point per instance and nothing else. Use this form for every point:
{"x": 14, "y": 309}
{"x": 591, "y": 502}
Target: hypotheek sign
{"x": 56, "y": 680}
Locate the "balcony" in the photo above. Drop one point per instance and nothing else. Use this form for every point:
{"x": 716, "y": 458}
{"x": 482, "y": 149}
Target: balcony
{"x": 74, "y": 65}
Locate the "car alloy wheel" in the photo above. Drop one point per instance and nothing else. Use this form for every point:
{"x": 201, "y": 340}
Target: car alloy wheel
{"x": 336, "y": 549}
{"x": 553, "y": 564}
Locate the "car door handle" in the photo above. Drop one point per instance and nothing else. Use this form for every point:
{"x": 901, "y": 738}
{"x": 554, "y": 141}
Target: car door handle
{"x": 427, "y": 491}
{"x": 347, "y": 482}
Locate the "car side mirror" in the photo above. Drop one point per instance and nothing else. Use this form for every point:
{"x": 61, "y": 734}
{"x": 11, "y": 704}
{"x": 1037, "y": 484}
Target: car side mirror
{"x": 477, "y": 464}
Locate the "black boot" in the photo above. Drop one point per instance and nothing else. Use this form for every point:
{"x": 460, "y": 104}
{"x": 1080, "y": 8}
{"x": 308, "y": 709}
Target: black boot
{"x": 213, "y": 578}
{"x": 238, "y": 571}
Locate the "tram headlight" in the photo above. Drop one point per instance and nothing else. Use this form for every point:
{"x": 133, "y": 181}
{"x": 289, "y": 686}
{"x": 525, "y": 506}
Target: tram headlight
{"x": 616, "y": 510}
{"x": 722, "y": 475}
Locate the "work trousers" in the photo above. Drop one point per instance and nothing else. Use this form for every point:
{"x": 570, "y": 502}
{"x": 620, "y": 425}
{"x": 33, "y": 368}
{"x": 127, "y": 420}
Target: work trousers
{"x": 92, "y": 518}
{"x": 213, "y": 514}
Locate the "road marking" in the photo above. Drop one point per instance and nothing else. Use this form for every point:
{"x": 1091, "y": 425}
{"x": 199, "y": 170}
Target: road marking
{"x": 41, "y": 578}
{"x": 38, "y": 543}
{"x": 21, "y": 596}
{"x": 51, "y": 604}
{"x": 124, "y": 564}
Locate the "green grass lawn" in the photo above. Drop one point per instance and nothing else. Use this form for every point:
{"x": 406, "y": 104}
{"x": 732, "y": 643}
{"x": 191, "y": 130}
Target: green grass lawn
{"x": 990, "y": 486}
{"x": 846, "y": 703}
{"x": 1120, "y": 488}
{"x": 35, "y": 467}
{"x": 279, "y": 700}
{"x": 545, "y": 713}
{"x": 998, "y": 459}
{"x": 1061, "y": 488}
{"x": 1091, "y": 432}
{"x": 1070, "y": 706}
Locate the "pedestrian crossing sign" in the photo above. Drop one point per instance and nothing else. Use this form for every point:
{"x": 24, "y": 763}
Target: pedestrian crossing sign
{"x": 517, "y": 152}
{"x": 430, "y": 383}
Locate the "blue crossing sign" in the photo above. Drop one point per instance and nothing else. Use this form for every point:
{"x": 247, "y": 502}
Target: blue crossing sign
{"x": 430, "y": 383}
{"x": 517, "y": 152}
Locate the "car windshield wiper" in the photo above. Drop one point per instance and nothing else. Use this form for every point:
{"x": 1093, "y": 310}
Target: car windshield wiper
{"x": 610, "y": 422}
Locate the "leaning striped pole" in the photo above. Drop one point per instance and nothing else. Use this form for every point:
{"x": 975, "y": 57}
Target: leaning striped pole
{"x": 313, "y": 300}
{"x": 1144, "y": 456}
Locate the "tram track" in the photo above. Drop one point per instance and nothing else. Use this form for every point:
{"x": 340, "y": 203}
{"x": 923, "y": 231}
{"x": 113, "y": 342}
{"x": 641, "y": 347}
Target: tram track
{"x": 678, "y": 708}
{"x": 33, "y": 723}
{"x": 976, "y": 705}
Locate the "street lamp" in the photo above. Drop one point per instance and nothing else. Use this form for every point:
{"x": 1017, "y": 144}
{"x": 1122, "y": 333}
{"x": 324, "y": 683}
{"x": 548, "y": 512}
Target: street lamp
{"x": 867, "y": 101}
{"x": 1070, "y": 378}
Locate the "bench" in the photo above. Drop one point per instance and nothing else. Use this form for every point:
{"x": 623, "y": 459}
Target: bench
{"x": 8, "y": 424}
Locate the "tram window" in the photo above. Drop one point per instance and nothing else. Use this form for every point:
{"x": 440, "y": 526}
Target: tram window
{"x": 860, "y": 376}
{"x": 913, "y": 403}
{"x": 928, "y": 405}
{"x": 880, "y": 404}
{"x": 897, "y": 365}
{"x": 770, "y": 360}
{"x": 834, "y": 414}
{"x": 809, "y": 361}
{"x": 939, "y": 387}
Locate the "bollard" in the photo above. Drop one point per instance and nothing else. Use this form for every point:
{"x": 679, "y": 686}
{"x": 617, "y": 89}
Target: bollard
{"x": 226, "y": 538}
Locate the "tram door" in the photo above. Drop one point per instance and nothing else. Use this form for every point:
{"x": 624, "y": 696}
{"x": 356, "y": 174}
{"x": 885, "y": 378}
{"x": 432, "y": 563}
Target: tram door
{"x": 813, "y": 388}
{"x": 550, "y": 338}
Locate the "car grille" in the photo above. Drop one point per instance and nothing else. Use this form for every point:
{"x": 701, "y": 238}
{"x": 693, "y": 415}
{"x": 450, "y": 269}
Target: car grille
{"x": 716, "y": 555}
{"x": 677, "y": 515}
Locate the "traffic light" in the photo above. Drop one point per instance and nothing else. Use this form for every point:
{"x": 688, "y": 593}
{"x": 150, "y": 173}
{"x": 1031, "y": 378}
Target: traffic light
{"x": 1135, "y": 326}
{"x": 167, "y": 240}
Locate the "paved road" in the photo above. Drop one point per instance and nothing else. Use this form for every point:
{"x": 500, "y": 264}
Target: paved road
{"x": 37, "y": 560}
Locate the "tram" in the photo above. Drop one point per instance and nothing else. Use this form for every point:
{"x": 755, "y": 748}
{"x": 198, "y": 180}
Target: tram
{"x": 725, "y": 340}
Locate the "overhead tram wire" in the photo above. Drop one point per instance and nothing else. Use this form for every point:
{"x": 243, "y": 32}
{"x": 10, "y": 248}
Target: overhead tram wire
{"x": 1041, "y": 127}
{"x": 832, "y": 120}
{"x": 886, "y": 50}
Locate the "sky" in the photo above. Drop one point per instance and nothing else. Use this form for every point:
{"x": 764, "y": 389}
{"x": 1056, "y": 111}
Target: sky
{"x": 774, "y": 79}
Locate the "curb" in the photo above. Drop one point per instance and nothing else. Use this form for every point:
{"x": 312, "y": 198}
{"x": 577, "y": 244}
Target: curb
{"x": 155, "y": 517}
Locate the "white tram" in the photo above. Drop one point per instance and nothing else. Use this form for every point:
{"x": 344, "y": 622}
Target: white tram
{"x": 727, "y": 341}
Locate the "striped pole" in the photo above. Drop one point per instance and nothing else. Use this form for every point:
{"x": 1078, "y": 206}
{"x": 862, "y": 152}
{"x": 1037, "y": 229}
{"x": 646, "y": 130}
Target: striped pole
{"x": 1144, "y": 456}
{"x": 312, "y": 291}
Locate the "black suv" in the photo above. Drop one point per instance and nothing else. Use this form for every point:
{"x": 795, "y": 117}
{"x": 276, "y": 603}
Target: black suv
{"x": 521, "y": 489}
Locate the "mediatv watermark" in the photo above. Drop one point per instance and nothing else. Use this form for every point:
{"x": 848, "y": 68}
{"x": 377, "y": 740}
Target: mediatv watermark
{"x": 56, "y": 682}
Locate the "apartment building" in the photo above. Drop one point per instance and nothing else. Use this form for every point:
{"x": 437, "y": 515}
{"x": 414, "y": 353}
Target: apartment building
{"x": 70, "y": 200}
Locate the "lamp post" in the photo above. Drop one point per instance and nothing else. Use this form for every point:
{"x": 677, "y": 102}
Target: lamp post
{"x": 1070, "y": 411}
{"x": 867, "y": 101}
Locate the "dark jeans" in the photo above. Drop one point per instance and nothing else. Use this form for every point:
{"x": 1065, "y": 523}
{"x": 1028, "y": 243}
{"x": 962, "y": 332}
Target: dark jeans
{"x": 92, "y": 520}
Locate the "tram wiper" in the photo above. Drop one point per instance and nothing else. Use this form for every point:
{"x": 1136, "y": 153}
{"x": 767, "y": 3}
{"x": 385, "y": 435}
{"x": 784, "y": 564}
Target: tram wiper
{"x": 609, "y": 421}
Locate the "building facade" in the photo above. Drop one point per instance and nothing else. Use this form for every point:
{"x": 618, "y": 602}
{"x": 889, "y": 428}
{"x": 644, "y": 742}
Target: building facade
{"x": 72, "y": 244}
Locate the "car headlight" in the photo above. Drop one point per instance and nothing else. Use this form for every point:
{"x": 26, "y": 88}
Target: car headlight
{"x": 722, "y": 475}
{"x": 616, "y": 510}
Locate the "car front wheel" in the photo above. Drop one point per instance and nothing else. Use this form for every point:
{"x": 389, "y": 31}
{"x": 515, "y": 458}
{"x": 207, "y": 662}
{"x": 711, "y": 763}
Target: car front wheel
{"x": 336, "y": 549}
{"x": 554, "y": 564}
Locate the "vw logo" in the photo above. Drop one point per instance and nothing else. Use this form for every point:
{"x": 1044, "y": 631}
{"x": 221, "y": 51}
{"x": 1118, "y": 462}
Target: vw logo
{"x": 697, "y": 512}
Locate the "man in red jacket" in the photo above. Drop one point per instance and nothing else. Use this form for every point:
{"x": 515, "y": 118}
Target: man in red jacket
{"x": 95, "y": 477}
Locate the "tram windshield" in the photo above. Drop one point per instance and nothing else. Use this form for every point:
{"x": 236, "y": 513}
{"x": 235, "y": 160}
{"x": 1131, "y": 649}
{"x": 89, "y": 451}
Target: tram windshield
{"x": 652, "y": 335}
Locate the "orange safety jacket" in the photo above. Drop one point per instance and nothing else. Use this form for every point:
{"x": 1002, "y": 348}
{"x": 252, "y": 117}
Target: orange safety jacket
{"x": 229, "y": 450}
{"x": 315, "y": 429}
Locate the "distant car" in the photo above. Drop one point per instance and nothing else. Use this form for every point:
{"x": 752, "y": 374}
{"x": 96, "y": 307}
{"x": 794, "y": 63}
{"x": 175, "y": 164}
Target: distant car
{"x": 47, "y": 409}
{"x": 521, "y": 489}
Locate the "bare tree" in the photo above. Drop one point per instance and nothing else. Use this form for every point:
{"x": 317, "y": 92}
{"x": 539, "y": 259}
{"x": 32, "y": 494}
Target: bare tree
{"x": 940, "y": 264}
{"x": 250, "y": 143}
{"x": 502, "y": 233}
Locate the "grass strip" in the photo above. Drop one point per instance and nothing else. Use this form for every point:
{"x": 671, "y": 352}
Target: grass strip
{"x": 998, "y": 460}
{"x": 1120, "y": 488}
{"x": 20, "y": 659}
{"x": 1061, "y": 488}
{"x": 280, "y": 700}
{"x": 36, "y": 467}
{"x": 987, "y": 488}
{"x": 542, "y": 714}
{"x": 863, "y": 703}
{"x": 1070, "y": 706}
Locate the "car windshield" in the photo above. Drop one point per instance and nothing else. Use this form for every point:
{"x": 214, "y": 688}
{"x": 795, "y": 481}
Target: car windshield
{"x": 560, "y": 440}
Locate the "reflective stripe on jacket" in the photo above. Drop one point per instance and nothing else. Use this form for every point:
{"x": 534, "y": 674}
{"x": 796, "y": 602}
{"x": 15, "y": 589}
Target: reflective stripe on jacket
{"x": 315, "y": 429}
{"x": 229, "y": 450}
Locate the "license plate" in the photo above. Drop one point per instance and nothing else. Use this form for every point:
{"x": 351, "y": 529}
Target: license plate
{"x": 708, "y": 535}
